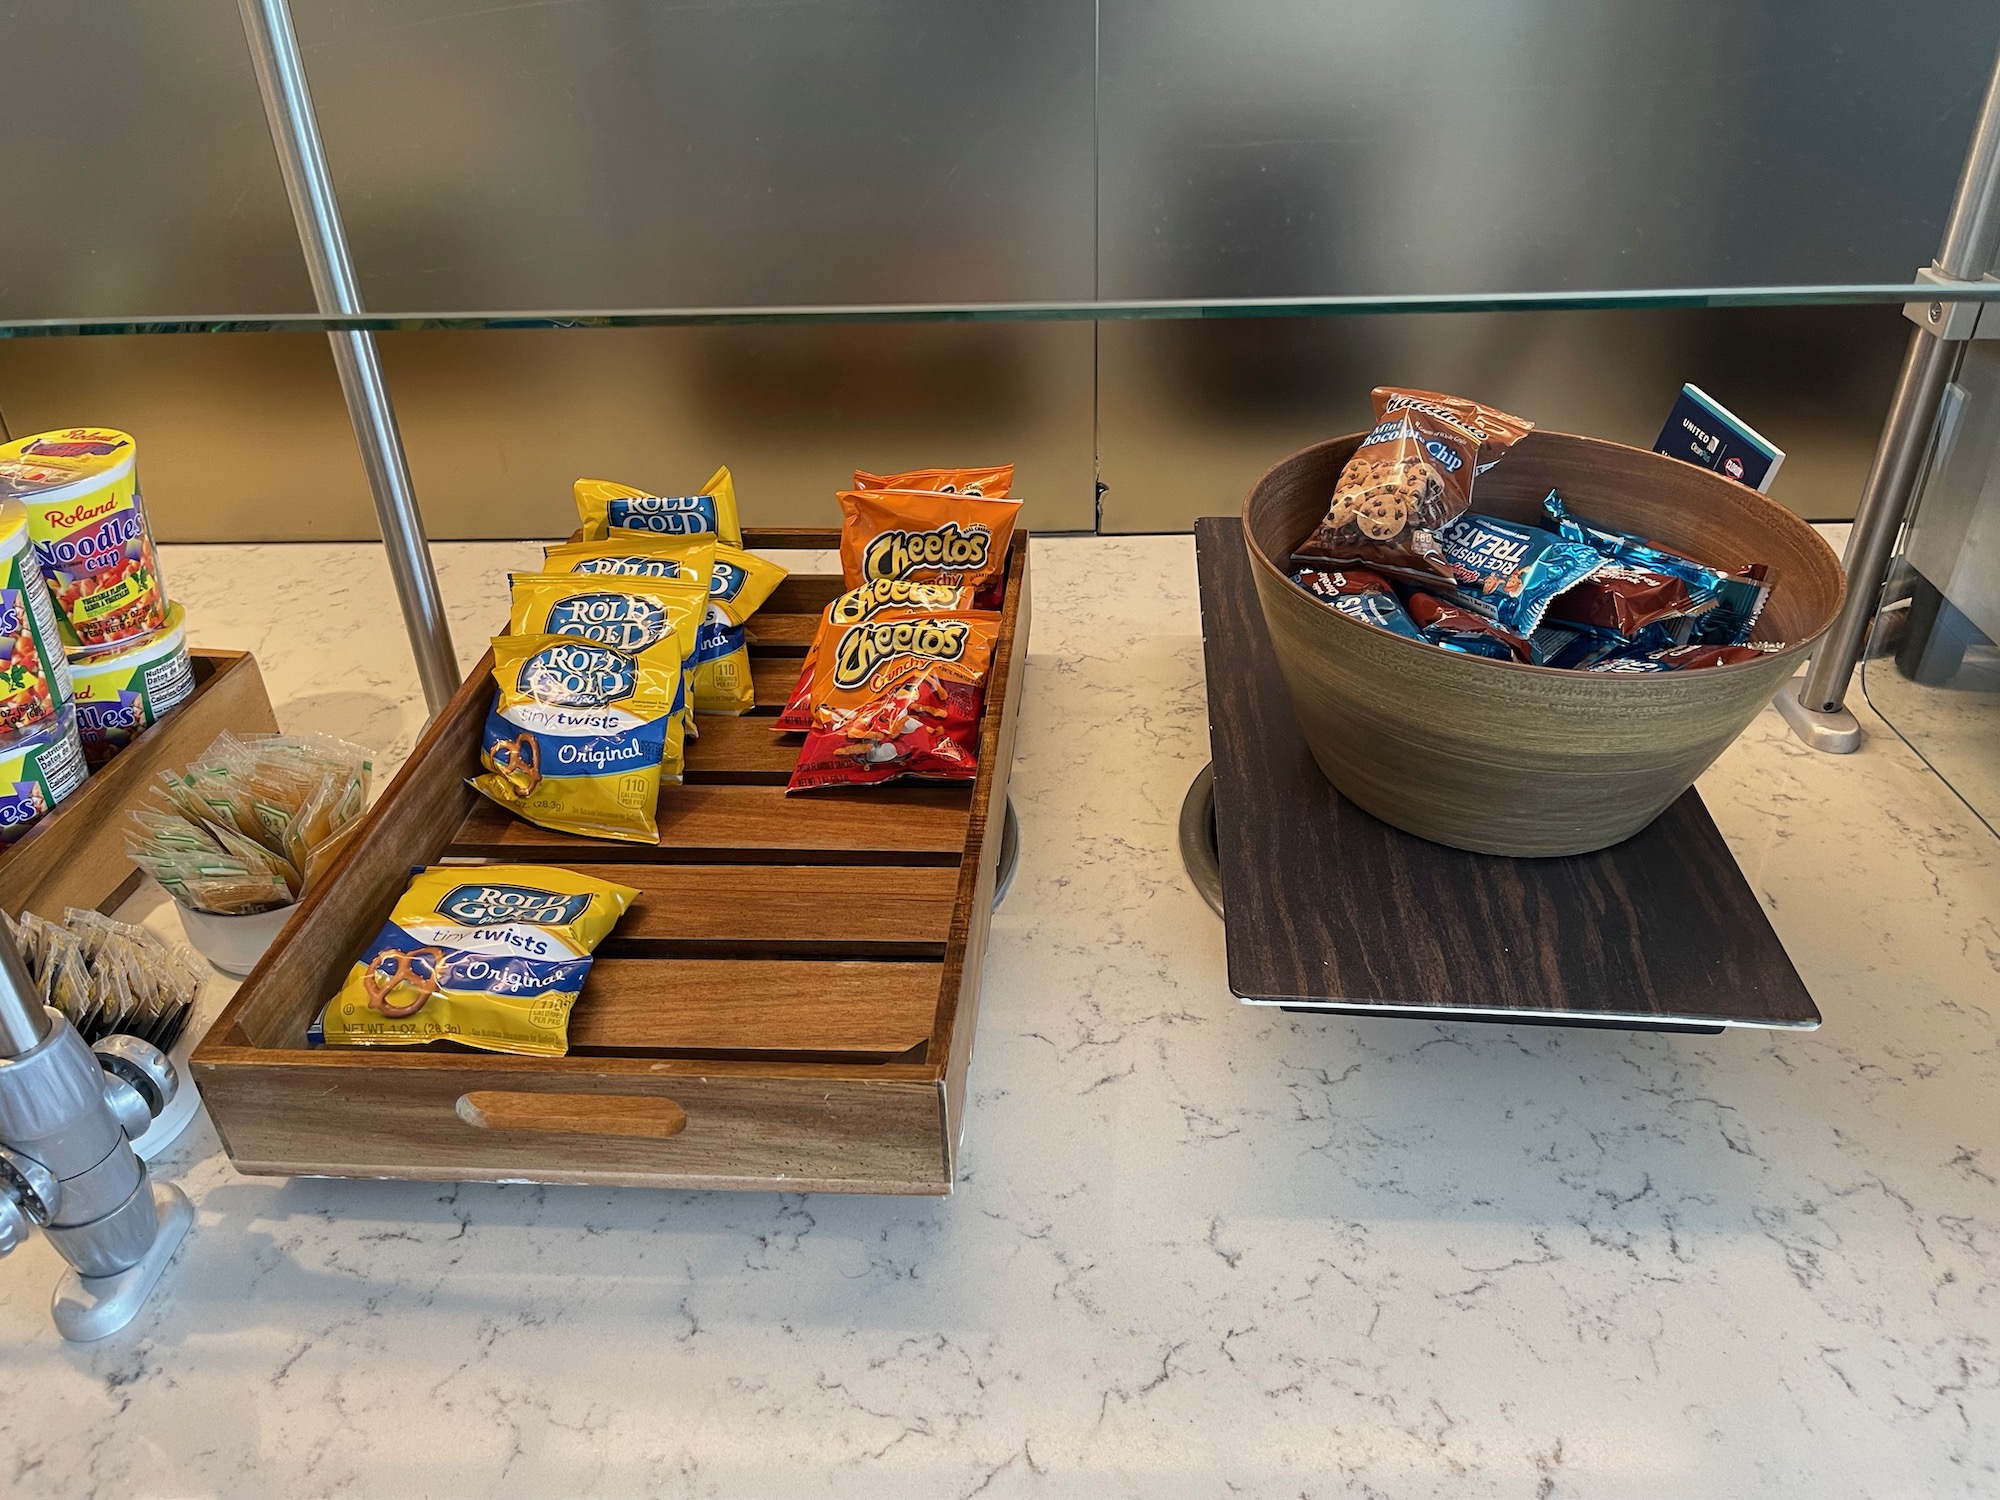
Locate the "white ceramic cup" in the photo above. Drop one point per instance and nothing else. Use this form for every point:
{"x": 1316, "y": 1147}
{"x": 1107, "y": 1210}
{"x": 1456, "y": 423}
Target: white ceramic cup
{"x": 233, "y": 944}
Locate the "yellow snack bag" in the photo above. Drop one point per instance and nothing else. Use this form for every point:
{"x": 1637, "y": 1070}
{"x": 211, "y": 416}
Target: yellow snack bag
{"x": 619, "y": 610}
{"x": 612, "y": 609}
{"x": 739, "y": 584}
{"x": 606, "y": 508}
{"x": 581, "y": 734}
{"x": 635, "y": 554}
{"x": 492, "y": 956}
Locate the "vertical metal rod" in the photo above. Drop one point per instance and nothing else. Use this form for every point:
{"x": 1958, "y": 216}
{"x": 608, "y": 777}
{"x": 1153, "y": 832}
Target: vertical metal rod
{"x": 23, "y": 1022}
{"x": 1971, "y": 239}
{"x": 281, "y": 79}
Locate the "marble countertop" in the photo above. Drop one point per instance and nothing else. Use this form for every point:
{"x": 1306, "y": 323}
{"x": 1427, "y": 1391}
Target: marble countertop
{"x": 1197, "y": 1248}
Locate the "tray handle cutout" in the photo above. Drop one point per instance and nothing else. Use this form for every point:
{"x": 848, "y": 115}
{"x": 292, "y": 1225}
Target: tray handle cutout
{"x": 637, "y": 1115}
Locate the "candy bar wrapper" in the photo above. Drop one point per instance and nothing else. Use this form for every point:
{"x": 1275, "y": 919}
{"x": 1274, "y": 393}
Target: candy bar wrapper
{"x": 1622, "y": 601}
{"x": 1510, "y": 572}
{"x": 1577, "y": 648}
{"x": 1411, "y": 476}
{"x": 1457, "y": 628}
{"x": 1360, "y": 595}
{"x": 1681, "y": 659}
{"x": 1738, "y": 597}
{"x": 1739, "y": 601}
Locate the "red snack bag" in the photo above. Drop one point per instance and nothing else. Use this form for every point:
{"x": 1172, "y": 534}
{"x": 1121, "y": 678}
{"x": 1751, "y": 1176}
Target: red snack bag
{"x": 924, "y": 537}
{"x": 851, "y": 608}
{"x": 899, "y": 695}
{"x": 993, "y": 483}
{"x": 1411, "y": 476}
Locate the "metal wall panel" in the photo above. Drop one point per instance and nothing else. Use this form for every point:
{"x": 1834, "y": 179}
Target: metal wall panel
{"x": 136, "y": 166}
{"x": 1273, "y": 147}
{"x": 1190, "y": 414}
{"x": 243, "y": 437}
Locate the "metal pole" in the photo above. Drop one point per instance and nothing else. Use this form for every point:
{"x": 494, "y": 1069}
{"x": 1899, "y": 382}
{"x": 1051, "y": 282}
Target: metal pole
{"x": 1971, "y": 239}
{"x": 23, "y": 1021}
{"x": 281, "y": 78}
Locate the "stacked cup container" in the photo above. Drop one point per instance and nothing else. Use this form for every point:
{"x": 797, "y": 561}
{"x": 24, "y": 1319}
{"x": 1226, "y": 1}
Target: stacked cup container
{"x": 41, "y": 758}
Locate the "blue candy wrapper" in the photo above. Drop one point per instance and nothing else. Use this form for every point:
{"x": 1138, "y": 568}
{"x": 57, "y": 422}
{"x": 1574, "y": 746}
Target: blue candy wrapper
{"x": 1739, "y": 596}
{"x": 1510, "y": 572}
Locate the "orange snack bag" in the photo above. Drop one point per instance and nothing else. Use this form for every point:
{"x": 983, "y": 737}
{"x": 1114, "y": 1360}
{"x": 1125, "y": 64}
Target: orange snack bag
{"x": 993, "y": 483}
{"x": 924, "y": 537}
{"x": 899, "y": 695}
{"x": 864, "y": 603}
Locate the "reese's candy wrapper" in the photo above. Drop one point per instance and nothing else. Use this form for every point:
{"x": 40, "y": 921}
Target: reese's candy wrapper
{"x": 993, "y": 483}
{"x": 1411, "y": 476}
{"x": 1457, "y": 628}
{"x": 582, "y": 734}
{"x": 1680, "y": 658}
{"x": 1360, "y": 595}
{"x": 924, "y": 537}
{"x": 859, "y": 604}
{"x": 1738, "y": 595}
{"x": 491, "y": 956}
{"x": 1510, "y": 572}
{"x": 898, "y": 696}
{"x": 605, "y": 508}
{"x": 738, "y": 585}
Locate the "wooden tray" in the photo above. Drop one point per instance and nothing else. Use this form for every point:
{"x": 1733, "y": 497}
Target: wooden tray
{"x": 1328, "y": 908}
{"x": 76, "y": 855}
{"x": 789, "y": 1004}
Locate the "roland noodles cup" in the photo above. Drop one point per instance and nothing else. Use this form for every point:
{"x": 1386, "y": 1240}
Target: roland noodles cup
{"x": 38, "y": 768}
{"x": 120, "y": 693}
{"x": 88, "y": 525}
{"x": 34, "y": 674}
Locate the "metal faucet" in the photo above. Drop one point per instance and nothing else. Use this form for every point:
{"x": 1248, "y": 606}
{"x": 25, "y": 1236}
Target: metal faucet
{"x": 68, "y": 1116}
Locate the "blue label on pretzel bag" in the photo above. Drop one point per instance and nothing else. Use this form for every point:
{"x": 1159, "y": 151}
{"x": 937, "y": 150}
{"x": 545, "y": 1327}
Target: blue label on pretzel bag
{"x": 479, "y": 905}
{"x": 668, "y": 515}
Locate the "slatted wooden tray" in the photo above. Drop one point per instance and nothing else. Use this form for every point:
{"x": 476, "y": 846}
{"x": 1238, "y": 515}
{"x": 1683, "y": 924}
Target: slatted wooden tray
{"x": 790, "y": 1003}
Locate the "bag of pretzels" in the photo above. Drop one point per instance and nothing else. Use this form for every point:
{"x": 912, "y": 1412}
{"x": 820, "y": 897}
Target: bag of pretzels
{"x": 1411, "y": 477}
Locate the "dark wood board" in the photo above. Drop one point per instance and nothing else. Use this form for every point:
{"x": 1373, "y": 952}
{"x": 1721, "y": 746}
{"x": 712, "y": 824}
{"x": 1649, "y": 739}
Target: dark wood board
{"x": 1327, "y": 907}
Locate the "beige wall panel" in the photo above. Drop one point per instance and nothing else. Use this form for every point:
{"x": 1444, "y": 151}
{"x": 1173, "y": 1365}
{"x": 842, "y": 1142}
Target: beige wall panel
{"x": 1191, "y": 413}
{"x": 244, "y": 436}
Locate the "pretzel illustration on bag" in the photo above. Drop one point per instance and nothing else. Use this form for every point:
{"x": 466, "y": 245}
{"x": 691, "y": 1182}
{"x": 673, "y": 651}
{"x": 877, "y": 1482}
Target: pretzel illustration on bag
{"x": 403, "y": 972}
{"x": 519, "y": 760}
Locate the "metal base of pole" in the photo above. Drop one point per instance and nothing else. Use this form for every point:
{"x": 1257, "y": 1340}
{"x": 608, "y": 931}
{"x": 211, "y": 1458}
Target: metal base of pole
{"x": 1834, "y": 731}
{"x": 94, "y": 1307}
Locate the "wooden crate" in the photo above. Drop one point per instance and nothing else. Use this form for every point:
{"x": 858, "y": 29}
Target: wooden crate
{"x": 76, "y": 855}
{"x": 789, "y": 1004}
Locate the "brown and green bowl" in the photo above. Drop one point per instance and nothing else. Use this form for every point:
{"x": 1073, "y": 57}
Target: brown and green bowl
{"x": 1509, "y": 759}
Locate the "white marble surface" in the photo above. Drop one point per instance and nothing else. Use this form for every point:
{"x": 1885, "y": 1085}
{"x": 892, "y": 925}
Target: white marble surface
{"x": 1198, "y": 1249}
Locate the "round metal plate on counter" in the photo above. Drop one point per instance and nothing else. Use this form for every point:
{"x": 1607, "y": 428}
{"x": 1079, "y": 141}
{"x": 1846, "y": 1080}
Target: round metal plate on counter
{"x": 1010, "y": 855}
{"x": 1198, "y": 853}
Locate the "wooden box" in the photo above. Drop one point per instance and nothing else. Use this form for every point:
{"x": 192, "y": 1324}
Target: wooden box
{"x": 789, "y": 1004}
{"x": 76, "y": 855}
